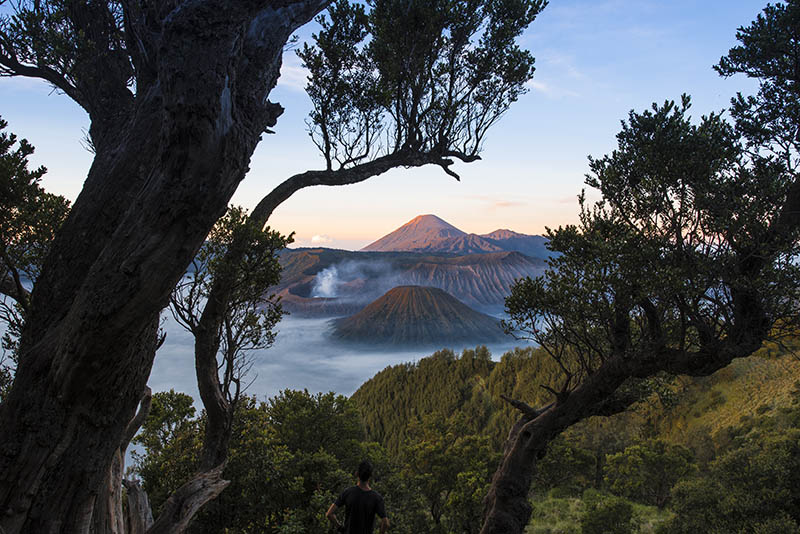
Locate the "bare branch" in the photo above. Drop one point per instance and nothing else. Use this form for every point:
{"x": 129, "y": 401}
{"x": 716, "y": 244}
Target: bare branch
{"x": 138, "y": 420}
{"x": 526, "y": 409}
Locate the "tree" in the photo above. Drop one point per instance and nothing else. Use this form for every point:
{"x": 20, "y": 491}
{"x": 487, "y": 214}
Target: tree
{"x": 608, "y": 515}
{"x": 248, "y": 317}
{"x": 449, "y": 467}
{"x": 177, "y": 94}
{"x": 29, "y": 218}
{"x": 753, "y": 488}
{"x": 286, "y": 454}
{"x": 754, "y": 483}
{"x": 646, "y": 472}
{"x": 686, "y": 263}
{"x": 170, "y": 439}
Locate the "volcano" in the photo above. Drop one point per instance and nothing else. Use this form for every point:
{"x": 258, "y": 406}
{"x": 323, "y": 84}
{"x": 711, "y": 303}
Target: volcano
{"x": 418, "y": 315}
{"x": 430, "y": 234}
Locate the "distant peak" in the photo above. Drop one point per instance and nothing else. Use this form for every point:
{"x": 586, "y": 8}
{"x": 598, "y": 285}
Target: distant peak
{"x": 423, "y": 232}
{"x": 502, "y": 233}
{"x": 429, "y": 220}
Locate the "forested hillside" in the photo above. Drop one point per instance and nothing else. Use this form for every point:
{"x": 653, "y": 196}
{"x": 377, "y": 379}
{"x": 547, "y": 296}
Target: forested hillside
{"x": 445, "y": 383}
{"x": 686, "y": 411}
{"x": 687, "y": 434}
{"x": 725, "y": 447}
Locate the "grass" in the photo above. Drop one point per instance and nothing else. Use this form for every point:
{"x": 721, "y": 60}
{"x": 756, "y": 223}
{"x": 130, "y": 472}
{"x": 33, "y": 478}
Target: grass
{"x": 749, "y": 387}
{"x": 562, "y": 515}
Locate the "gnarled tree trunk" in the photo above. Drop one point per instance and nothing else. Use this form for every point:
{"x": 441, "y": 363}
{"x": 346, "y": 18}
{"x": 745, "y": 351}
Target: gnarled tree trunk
{"x": 167, "y": 162}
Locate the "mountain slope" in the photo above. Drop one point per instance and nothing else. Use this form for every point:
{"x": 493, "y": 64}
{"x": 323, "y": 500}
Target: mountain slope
{"x": 430, "y": 234}
{"x": 354, "y": 279}
{"x": 421, "y": 233}
{"x": 534, "y": 246}
{"x": 417, "y": 315}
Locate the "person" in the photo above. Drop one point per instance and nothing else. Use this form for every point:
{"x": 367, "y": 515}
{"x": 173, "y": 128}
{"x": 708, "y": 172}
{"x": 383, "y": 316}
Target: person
{"x": 361, "y": 503}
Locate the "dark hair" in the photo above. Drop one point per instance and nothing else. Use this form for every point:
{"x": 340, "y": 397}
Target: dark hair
{"x": 364, "y": 471}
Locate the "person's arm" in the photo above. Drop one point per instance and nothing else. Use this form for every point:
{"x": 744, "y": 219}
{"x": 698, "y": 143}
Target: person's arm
{"x": 384, "y": 525}
{"x": 331, "y": 515}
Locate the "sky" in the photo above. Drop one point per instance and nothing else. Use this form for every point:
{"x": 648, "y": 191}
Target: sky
{"x": 595, "y": 61}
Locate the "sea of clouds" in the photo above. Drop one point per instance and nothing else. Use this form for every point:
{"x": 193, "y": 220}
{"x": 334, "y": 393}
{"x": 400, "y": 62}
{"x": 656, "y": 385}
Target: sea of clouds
{"x": 303, "y": 357}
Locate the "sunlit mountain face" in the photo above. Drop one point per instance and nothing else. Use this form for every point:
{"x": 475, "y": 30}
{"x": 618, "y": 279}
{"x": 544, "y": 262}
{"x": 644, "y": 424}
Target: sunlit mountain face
{"x": 417, "y": 315}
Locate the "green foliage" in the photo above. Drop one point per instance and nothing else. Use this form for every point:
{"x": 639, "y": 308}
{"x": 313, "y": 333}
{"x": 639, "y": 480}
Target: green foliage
{"x": 647, "y": 471}
{"x": 289, "y": 458}
{"x": 555, "y": 515}
{"x": 171, "y": 440}
{"x": 753, "y": 486}
{"x": 565, "y": 466}
{"x": 171, "y": 414}
{"x": 250, "y": 312}
{"x": 450, "y": 468}
{"x": 424, "y": 77}
{"x": 607, "y": 515}
{"x": 769, "y": 51}
{"x": 29, "y": 219}
{"x": 439, "y": 384}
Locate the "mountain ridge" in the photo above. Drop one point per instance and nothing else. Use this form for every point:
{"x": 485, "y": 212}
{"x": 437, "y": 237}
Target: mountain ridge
{"x": 431, "y": 234}
{"x": 481, "y": 281}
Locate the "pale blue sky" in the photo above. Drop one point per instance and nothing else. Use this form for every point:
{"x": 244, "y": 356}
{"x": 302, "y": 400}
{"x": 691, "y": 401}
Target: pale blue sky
{"x": 595, "y": 60}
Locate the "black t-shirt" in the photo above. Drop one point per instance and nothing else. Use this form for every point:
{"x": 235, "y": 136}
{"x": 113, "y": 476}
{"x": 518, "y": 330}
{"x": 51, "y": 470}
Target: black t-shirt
{"x": 361, "y": 507}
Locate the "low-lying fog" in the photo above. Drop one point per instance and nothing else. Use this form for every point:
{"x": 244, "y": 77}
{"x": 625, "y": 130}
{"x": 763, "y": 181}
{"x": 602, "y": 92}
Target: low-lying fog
{"x": 303, "y": 357}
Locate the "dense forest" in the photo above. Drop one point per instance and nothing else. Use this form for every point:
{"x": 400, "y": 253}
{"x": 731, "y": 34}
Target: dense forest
{"x": 719, "y": 454}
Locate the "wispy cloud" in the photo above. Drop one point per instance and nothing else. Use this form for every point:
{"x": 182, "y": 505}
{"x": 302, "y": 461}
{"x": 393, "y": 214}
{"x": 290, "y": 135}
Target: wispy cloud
{"x": 507, "y": 204}
{"x": 551, "y": 91}
{"x": 293, "y": 74}
{"x": 492, "y": 203}
{"x": 321, "y": 239}
{"x": 557, "y": 75}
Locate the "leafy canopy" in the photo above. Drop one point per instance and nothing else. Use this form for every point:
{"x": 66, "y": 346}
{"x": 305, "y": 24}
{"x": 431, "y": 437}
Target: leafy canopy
{"x": 662, "y": 265}
{"x": 419, "y": 76}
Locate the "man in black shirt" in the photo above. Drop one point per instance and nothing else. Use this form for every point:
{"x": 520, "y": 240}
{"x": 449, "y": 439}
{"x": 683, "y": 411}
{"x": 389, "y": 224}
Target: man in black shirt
{"x": 361, "y": 503}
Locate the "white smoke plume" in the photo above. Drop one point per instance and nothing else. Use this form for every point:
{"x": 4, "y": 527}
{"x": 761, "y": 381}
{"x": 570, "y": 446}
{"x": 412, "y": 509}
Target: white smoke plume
{"x": 356, "y": 281}
{"x": 326, "y": 283}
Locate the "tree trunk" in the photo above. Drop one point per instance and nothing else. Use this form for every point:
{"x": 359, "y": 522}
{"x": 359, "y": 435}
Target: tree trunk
{"x": 107, "y": 517}
{"x": 187, "y": 500}
{"x": 138, "y": 516}
{"x": 164, "y": 170}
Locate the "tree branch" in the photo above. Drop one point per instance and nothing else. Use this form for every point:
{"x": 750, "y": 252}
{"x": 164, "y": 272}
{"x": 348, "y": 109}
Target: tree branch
{"x": 182, "y": 505}
{"x": 12, "y": 67}
{"x": 525, "y": 408}
{"x": 352, "y": 175}
{"x": 138, "y": 420}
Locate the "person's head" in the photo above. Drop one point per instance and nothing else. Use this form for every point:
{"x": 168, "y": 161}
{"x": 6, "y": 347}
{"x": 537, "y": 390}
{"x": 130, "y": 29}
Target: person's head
{"x": 364, "y": 471}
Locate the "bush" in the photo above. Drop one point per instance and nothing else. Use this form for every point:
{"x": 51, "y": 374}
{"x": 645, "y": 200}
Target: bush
{"x": 647, "y": 472}
{"x": 752, "y": 489}
{"x": 607, "y": 515}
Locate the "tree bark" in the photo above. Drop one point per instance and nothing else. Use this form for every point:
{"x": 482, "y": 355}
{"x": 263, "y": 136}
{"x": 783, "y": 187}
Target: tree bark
{"x": 138, "y": 516}
{"x": 166, "y": 164}
{"x": 187, "y": 500}
{"x": 108, "y": 517}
